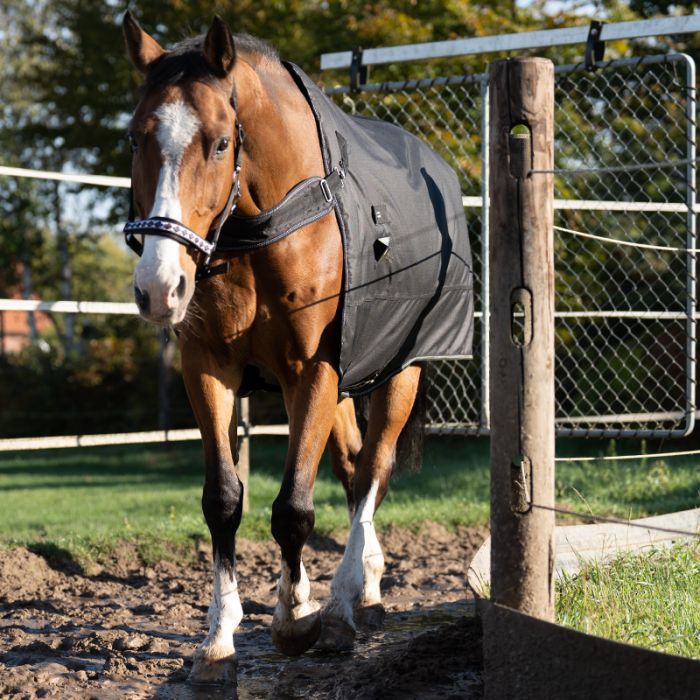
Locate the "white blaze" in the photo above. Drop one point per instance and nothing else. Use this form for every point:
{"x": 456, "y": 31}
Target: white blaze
{"x": 159, "y": 269}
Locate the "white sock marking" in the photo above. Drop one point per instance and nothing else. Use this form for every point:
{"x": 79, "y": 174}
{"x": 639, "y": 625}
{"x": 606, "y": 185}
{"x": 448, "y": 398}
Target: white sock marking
{"x": 359, "y": 574}
{"x": 293, "y": 601}
{"x": 225, "y": 613}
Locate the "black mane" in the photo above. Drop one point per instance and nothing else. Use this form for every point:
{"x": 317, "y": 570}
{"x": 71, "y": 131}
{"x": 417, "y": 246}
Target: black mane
{"x": 186, "y": 60}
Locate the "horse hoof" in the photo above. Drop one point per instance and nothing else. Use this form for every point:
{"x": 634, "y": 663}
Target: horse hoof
{"x": 336, "y": 635}
{"x": 208, "y": 671}
{"x": 297, "y": 637}
{"x": 370, "y": 617}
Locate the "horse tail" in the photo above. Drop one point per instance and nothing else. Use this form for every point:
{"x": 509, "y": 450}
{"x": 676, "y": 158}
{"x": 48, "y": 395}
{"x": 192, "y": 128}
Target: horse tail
{"x": 409, "y": 446}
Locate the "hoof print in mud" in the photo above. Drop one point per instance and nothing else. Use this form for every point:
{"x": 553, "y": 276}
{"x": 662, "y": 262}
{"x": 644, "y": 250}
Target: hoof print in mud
{"x": 214, "y": 671}
{"x": 307, "y": 631}
{"x": 336, "y": 635}
{"x": 370, "y": 617}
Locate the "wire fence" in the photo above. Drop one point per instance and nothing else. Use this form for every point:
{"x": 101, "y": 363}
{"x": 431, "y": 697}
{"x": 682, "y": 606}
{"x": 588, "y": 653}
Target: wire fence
{"x": 625, "y": 244}
{"x": 625, "y": 315}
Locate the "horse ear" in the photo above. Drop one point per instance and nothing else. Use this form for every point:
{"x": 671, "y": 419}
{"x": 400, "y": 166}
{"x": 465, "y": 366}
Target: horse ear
{"x": 219, "y": 49}
{"x": 142, "y": 48}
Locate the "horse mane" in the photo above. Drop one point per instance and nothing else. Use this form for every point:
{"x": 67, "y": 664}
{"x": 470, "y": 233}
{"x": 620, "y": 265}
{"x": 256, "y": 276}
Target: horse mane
{"x": 186, "y": 60}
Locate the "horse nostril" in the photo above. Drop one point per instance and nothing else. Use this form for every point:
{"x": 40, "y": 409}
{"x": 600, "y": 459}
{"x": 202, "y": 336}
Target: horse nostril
{"x": 181, "y": 286}
{"x": 142, "y": 300}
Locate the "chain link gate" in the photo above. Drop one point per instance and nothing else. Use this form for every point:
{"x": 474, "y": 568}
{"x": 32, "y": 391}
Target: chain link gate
{"x": 625, "y": 315}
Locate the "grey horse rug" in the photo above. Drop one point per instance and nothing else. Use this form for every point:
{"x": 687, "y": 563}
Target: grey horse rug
{"x": 407, "y": 288}
{"x": 408, "y": 268}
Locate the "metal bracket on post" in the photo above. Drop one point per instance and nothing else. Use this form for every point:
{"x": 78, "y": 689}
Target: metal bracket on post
{"x": 359, "y": 73}
{"x": 595, "y": 47}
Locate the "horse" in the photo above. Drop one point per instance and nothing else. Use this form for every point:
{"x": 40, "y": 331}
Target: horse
{"x": 226, "y": 145}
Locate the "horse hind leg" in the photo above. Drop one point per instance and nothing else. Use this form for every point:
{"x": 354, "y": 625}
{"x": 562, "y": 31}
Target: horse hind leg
{"x": 355, "y": 589}
{"x": 344, "y": 446}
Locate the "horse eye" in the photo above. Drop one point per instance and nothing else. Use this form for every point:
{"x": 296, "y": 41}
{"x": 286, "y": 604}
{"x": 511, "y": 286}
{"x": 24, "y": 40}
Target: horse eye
{"x": 222, "y": 145}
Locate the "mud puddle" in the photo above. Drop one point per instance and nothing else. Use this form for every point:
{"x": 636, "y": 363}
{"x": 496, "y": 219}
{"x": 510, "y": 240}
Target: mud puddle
{"x": 129, "y": 631}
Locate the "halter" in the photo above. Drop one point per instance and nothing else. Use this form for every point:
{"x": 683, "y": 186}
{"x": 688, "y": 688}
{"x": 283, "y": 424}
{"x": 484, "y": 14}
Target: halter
{"x": 177, "y": 231}
{"x": 308, "y": 201}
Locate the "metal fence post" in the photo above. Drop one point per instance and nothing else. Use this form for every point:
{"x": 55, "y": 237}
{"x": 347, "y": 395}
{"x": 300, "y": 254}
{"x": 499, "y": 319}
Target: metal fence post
{"x": 522, "y": 334}
{"x": 691, "y": 243}
{"x": 485, "y": 414}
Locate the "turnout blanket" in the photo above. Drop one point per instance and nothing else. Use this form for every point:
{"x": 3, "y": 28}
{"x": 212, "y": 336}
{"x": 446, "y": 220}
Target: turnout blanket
{"x": 408, "y": 281}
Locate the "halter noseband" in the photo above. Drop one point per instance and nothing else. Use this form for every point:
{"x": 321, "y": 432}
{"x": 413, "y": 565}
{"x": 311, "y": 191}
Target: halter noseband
{"x": 177, "y": 231}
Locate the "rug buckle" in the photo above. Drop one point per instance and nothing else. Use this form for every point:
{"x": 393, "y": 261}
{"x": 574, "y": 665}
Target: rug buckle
{"x": 326, "y": 190}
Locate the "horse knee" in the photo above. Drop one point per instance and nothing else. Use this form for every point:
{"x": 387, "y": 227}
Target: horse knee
{"x": 222, "y": 504}
{"x": 292, "y": 523}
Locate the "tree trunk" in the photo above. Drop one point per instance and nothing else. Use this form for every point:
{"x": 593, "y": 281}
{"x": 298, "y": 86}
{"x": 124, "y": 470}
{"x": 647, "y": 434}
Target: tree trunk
{"x": 27, "y": 289}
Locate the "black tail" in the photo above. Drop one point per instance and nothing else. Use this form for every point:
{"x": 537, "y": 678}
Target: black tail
{"x": 409, "y": 447}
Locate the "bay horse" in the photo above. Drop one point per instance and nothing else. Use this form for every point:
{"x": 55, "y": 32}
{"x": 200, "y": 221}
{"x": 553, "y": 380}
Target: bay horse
{"x": 222, "y": 124}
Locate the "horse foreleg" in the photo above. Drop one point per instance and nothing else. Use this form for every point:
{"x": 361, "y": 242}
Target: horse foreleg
{"x": 356, "y": 583}
{"x": 311, "y": 406}
{"x": 212, "y": 393}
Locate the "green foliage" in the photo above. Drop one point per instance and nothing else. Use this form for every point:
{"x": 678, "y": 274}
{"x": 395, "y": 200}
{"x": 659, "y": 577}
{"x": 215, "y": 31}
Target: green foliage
{"x": 110, "y": 386}
{"x": 649, "y": 599}
{"x": 68, "y": 91}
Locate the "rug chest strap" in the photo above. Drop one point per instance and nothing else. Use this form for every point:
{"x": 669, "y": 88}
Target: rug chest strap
{"x": 305, "y": 203}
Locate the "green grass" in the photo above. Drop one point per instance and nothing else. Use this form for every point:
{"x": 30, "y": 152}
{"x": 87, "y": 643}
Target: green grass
{"x": 650, "y": 600}
{"x": 628, "y": 489}
{"x": 85, "y": 500}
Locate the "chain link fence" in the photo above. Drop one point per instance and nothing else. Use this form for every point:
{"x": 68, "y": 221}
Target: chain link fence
{"x": 625, "y": 339}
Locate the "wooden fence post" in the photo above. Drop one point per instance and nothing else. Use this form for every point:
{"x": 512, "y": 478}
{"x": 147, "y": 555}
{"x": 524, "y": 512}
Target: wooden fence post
{"x": 243, "y": 466}
{"x": 522, "y": 334}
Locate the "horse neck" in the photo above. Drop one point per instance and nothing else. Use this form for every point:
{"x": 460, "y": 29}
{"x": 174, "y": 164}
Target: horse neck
{"x": 281, "y": 143}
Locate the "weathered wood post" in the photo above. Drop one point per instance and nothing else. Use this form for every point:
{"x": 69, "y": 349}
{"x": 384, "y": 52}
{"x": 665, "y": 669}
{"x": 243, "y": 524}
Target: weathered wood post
{"x": 522, "y": 334}
{"x": 243, "y": 466}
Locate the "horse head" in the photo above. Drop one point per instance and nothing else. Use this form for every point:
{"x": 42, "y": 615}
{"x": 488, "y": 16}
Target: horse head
{"x": 185, "y": 139}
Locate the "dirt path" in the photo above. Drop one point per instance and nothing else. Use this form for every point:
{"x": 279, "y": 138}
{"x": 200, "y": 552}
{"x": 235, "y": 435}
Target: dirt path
{"x": 129, "y": 631}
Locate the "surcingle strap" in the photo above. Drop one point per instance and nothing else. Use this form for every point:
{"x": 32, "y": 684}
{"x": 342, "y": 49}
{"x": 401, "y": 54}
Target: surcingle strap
{"x": 306, "y": 202}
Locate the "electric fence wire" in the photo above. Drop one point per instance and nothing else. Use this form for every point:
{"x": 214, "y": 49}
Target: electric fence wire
{"x": 614, "y": 168}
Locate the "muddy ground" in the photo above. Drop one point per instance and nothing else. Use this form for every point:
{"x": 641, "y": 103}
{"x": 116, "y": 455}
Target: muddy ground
{"x": 125, "y": 630}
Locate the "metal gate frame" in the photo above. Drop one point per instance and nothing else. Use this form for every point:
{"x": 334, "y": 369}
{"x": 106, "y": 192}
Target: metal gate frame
{"x": 687, "y": 414}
